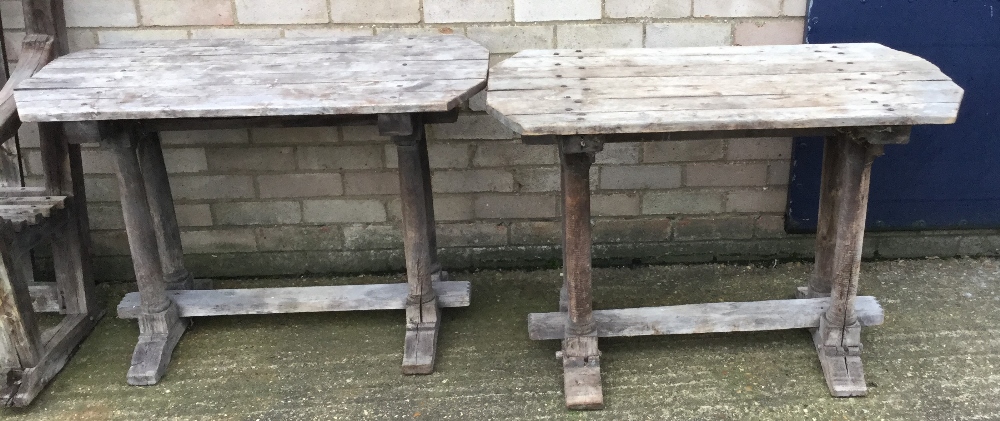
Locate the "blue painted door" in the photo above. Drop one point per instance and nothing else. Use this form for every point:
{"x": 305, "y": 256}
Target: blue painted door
{"x": 948, "y": 177}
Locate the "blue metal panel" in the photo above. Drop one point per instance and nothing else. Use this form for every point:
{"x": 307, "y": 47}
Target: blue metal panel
{"x": 948, "y": 176}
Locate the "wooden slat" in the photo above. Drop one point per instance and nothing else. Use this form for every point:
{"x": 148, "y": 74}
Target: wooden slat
{"x": 185, "y": 107}
{"x": 298, "y": 300}
{"x": 714, "y": 81}
{"x": 705, "y": 318}
{"x": 587, "y": 104}
{"x": 373, "y": 45}
{"x": 791, "y": 68}
{"x": 310, "y": 58}
{"x": 291, "y": 91}
{"x": 851, "y": 48}
{"x": 730, "y": 119}
{"x": 263, "y": 71}
{"x": 57, "y": 202}
{"x": 829, "y": 58}
{"x": 362, "y": 41}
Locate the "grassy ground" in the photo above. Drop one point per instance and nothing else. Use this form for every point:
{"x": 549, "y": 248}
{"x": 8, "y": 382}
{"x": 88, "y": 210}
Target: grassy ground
{"x": 935, "y": 358}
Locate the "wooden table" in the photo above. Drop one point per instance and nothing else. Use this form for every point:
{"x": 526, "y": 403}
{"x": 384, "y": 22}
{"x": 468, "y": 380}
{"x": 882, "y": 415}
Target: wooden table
{"x": 860, "y": 96}
{"x": 135, "y": 90}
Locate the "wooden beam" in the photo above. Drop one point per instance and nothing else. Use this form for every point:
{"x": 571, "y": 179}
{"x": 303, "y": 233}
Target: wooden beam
{"x": 696, "y": 135}
{"x": 222, "y": 302}
{"x": 36, "y": 51}
{"x": 705, "y": 318}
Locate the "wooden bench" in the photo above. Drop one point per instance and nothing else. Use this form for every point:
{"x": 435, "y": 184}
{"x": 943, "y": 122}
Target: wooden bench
{"x": 133, "y": 91}
{"x": 55, "y": 215}
{"x": 859, "y": 96}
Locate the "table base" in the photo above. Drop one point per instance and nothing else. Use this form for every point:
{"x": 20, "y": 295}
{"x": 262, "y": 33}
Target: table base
{"x": 164, "y": 301}
{"x": 828, "y": 305}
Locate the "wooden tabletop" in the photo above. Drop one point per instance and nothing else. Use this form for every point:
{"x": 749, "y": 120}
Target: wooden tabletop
{"x": 602, "y": 91}
{"x": 253, "y": 78}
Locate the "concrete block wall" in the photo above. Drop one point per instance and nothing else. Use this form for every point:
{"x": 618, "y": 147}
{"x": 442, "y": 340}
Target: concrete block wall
{"x": 289, "y": 201}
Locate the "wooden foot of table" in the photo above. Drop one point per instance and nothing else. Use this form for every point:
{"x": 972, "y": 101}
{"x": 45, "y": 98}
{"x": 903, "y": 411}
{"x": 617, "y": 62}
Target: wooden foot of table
{"x": 582, "y": 373}
{"x": 158, "y": 335}
{"x": 420, "y": 344}
{"x": 839, "y": 352}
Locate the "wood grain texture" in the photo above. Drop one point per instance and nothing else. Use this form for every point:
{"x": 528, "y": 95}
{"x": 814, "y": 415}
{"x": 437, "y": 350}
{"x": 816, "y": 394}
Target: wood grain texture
{"x": 36, "y": 50}
{"x": 221, "y": 302}
{"x": 609, "y": 91}
{"x": 252, "y": 78}
{"x": 706, "y": 318}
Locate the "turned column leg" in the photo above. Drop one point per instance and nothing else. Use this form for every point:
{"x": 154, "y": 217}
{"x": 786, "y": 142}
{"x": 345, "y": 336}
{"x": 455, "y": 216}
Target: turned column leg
{"x": 422, "y": 313}
{"x": 160, "y": 326}
{"x": 161, "y": 206}
{"x": 580, "y": 355}
{"x": 843, "y": 207}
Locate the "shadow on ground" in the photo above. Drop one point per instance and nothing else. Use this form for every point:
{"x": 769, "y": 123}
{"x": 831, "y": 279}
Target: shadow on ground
{"x": 935, "y": 358}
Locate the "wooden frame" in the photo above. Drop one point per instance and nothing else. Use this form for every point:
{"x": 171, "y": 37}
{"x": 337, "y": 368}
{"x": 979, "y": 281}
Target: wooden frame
{"x": 835, "y": 321}
{"x": 56, "y": 214}
{"x": 156, "y": 250}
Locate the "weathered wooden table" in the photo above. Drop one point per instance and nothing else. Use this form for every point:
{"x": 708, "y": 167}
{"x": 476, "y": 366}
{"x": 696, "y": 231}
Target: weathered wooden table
{"x": 860, "y": 96}
{"x": 135, "y": 90}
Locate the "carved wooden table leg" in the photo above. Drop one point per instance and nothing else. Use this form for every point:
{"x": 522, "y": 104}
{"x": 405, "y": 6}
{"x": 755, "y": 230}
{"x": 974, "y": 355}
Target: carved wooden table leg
{"x": 422, "y": 312}
{"x": 161, "y": 206}
{"x": 580, "y": 356}
{"x": 160, "y": 327}
{"x": 843, "y": 205}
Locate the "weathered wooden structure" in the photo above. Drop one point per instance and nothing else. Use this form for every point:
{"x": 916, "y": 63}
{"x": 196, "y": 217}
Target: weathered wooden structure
{"x": 133, "y": 91}
{"x": 860, "y": 96}
{"x": 54, "y": 214}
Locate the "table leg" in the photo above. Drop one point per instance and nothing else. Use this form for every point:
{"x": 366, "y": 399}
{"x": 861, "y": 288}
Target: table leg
{"x": 160, "y": 327}
{"x": 843, "y": 205}
{"x": 419, "y": 239}
{"x": 161, "y": 206}
{"x": 580, "y": 355}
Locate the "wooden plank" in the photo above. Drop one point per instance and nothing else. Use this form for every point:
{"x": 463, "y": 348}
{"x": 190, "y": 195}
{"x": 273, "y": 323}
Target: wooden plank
{"x": 727, "y": 50}
{"x": 828, "y": 88}
{"x": 57, "y": 202}
{"x": 237, "y": 67}
{"x": 237, "y": 89}
{"x": 245, "y": 47}
{"x": 792, "y": 68}
{"x": 716, "y": 83}
{"x": 164, "y": 108}
{"x": 709, "y": 120}
{"x": 741, "y": 103}
{"x": 830, "y": 57}
{"x": 363, "y": 41}
{"x": 223, "y": 302}
{"x": 311, "y": 58}
{"x": 705, "y": 318}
